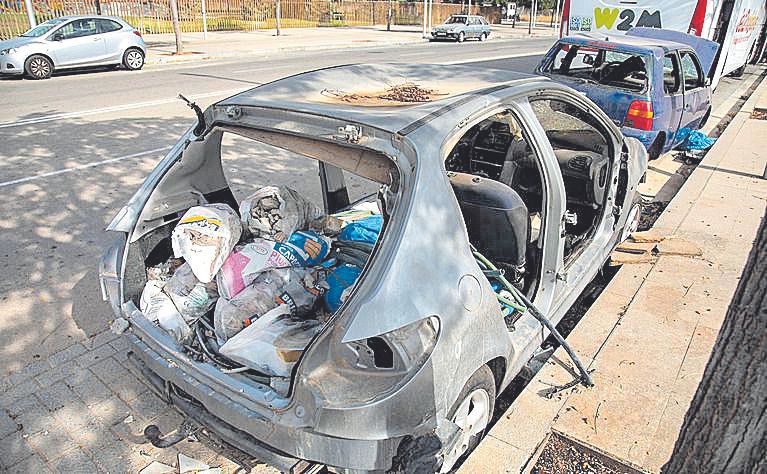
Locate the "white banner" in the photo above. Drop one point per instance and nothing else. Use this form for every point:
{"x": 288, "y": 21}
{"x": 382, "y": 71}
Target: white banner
{"x": 615, "y": 16}
{"x": 745, "y": 26}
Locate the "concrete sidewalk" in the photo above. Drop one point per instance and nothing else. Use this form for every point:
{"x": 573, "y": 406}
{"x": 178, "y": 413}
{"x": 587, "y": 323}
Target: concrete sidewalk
{"x": 649, "y": 335}
{"x": 229, "y": 44}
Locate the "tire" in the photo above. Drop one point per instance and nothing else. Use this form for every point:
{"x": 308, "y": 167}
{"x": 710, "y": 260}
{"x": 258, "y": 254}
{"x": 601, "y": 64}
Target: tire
{"x": 38, "y": 67}
{"x": 461, "y": 37}
{"x": 424, "y": 454}
{"x": 656, "y": 149}
{"x": 133, "y": 59}
{"x": 483, "y": 37}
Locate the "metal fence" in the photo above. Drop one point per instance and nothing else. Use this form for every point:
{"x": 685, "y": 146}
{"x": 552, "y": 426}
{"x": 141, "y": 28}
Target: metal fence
{"x": 153, "y": 16}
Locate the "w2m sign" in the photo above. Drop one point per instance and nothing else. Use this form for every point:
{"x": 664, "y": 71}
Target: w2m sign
{"x": 616, "y": 17}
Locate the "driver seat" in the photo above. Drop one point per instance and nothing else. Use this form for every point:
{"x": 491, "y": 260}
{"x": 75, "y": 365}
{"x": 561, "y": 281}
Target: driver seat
{"x": 496, "y": 218}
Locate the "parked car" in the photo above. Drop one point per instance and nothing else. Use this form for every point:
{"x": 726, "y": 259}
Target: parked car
{"x": 403, "y": 375}
{"x": 461, "y": 27}
{"x": 652, "y": 83}
{"x": 73, "y": 42}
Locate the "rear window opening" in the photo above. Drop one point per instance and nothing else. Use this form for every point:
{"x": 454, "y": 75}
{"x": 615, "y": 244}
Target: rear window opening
{"x": 257, "y": 247}
{"x": 601, "y": 66}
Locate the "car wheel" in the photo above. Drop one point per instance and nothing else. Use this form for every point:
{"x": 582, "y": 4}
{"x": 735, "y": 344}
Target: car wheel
{"x": 471, "y": 412}
{"x": 483, "y": 37}
{"x": 133, "y": 59}
{"x": 461, "y": 37}
{"x": 38, "y": 67}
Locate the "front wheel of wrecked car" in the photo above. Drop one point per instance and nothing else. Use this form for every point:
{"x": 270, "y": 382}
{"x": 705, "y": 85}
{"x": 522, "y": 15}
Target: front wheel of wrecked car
{"x": 471, "y": 412}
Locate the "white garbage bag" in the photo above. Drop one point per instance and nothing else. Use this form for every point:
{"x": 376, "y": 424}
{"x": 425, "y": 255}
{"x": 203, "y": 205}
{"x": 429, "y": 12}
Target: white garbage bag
{"x": 151, "y": 289}
{"x": 273, "y": 343}
{"x": 205, "y": 236}
{"x": 160, "y": 308}
{"x": 274, "y": 213}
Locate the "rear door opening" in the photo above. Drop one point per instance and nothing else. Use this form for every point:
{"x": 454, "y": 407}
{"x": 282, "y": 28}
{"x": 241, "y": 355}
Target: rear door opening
{"x": 310, "y": 214}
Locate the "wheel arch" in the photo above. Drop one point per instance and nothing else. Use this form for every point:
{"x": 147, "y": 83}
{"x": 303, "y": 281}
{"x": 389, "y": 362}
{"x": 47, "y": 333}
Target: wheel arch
{"x": 46, "y": 56}
{"x": 498, "y": 368}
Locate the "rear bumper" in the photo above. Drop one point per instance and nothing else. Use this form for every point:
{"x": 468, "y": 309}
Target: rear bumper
{"x": 647, "y": 137}
{"x": 249, "y": 430}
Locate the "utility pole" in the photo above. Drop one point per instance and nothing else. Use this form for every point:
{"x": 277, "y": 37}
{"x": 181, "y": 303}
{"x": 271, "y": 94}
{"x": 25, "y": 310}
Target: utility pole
{"x": 176, "y": 26}
{"x": 388, "y": 17}
{"x": 428, "y": 28}
{"x": 30, "y": 14}
{"x": 277, "y": 15}
{"x": 204, "y": 21}
{"x": 558, "y": 26}
{"x": 468, "y": 8}
{"x": 425, "y": 7}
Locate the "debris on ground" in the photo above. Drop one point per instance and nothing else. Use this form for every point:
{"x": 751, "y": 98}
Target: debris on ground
{"x": 188, "y": 464}
{"x": 119, "y": 326}
{"x": 129, "y": 419}
{"x": 646, "y": 236}
{"x": 156, "y": 467}
{"x": 561, "y": 455}
{"x": 678, "y": 246}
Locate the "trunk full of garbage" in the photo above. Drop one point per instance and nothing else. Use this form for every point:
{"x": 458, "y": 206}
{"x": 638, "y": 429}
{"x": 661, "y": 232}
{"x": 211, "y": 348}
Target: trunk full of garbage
{"x": 248, "y": 291}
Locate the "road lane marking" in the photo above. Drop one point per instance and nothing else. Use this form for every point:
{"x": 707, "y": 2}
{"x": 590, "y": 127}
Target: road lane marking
{"x": 116, "y": 108}
{"x": 81, "y": 167}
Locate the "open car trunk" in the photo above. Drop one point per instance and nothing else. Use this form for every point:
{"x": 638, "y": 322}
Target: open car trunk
{"x": 240, "y": 273}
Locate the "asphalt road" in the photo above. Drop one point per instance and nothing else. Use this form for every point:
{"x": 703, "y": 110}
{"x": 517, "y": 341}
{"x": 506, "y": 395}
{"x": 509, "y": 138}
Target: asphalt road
{"x": 73, "y": 150}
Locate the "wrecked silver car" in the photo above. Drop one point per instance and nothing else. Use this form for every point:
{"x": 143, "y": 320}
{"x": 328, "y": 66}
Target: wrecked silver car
{"x": 444, "y": 222}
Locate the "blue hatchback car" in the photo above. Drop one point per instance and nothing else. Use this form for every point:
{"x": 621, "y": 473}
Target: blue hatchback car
{"x": 652, "y": 83}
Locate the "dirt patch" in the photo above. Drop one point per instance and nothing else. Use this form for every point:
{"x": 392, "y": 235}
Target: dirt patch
{"x": 563, "y": 455}
{"x": 401, "y": 94}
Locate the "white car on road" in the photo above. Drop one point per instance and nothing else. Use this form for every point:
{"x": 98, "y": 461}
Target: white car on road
{"x": 73, "y": 42}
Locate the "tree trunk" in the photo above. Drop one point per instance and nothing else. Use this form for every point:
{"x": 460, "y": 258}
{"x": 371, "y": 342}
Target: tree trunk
{"x": 176, "y": 26}
{"x": 725, "y": 428}
{"x": 277, "y": 15}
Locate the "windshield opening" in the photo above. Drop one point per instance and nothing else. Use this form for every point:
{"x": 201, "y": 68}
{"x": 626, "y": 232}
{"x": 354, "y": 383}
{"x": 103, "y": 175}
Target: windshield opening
{"x": 43, "y": 28}
{"x": 456, "y": 19}
{"x": 602, "y": 66}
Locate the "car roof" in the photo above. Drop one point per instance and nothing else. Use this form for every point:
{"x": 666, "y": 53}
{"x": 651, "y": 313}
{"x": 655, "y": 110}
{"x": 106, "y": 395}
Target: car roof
{"x": 344, "y": 92}
{"x": 634, "y": 44}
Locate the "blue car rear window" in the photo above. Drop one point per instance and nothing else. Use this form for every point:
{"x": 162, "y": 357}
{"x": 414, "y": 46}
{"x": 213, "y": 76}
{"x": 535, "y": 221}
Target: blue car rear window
{"x": 601, "y": 66}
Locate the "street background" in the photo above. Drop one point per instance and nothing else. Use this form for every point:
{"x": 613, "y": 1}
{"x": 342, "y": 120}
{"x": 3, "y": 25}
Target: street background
{"x": 74, "y": 149}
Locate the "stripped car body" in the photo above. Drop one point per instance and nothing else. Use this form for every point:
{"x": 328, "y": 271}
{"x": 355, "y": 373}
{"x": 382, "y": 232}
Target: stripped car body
{"x": 653, "y": 83}
{"x": 422, "y": 291}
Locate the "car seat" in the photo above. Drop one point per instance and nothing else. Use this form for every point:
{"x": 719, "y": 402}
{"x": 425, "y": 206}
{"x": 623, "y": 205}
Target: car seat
{"x": 496, "y": 218}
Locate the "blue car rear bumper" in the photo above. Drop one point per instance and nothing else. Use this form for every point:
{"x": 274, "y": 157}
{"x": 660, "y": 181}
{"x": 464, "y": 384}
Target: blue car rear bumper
{"x": 647, "y": 137}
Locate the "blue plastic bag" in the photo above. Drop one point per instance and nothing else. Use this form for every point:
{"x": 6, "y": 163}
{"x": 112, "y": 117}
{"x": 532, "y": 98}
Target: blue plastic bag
{"x": 364, "y": 230}
{"x": 341, "y": 278}
{"x": 695, "y": 140}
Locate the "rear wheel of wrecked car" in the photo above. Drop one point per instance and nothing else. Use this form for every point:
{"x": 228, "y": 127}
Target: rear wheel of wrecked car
{"x": 461, "y": 37}
{"x": 471, "y": 412}
{"x": 38, "y": 66}
{"x": 133, "y": 59}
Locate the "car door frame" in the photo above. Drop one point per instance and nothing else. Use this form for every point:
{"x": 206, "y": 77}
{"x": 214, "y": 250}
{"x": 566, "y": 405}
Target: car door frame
{"x": 573, "y": 276}
{"x": 553, "y": 194}
{"x": 696, "y": 100}
{"x": 115, "y": 54}
{"x": 85, "y": 40}
{"x": 672, "y": 127}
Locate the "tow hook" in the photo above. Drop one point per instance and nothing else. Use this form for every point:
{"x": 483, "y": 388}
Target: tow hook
{"x": 153, "y": 434}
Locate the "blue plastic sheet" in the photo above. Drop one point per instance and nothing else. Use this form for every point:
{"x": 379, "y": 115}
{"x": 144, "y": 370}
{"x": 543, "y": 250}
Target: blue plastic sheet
{"x": 341, "y": 278}
{"x": 695, "y": 140}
